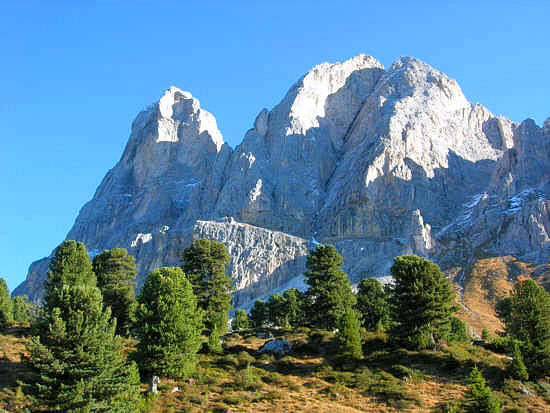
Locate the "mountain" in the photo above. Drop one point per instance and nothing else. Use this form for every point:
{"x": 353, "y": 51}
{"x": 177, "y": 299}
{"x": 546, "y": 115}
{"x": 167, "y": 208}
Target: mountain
{"x": 379, "y": 162}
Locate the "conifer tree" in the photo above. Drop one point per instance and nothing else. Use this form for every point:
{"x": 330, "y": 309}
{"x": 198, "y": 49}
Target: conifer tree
{"x": 277, "y": 311}
{"x": 372, "y": 304}
{"x": 259, "y": 314}
{"x": 77, "y": 360}
{"x": 295, "y": 307}
{"x": 6, "y": 306}
{"x": 349, "y": 335}
{"x": 330, "y": 293}
{"x": 421, "y": 302}
{"x": 526, "y": 315}
{"x": 115, "y": 271}
{"x": 205, "y": 263}
{"x": 168, "y": 324}
{"x": 479, "y": 398}
{"x": 517, "y": 369}
{"x": 21, "y": 309}
{"x": 240, "y": 321}
{"x": 70, "y": 265}
{"x": 459, "y": 331}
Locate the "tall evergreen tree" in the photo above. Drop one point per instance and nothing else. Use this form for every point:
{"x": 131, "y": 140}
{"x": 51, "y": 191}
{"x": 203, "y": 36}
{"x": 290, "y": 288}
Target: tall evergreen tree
{"x": 295, "y": 307}
{"x": 240, "y": 321}
{"x": 526, "y": 315}
{"x": 330, "y": 293}
{"x": 517, "y": 368}
{"x": 259, "y": 314}
{"x": 458, "y": 331}
{"x": 6, "y": 306}
{"x": 372, "y": 304}
{"x": 421, "y": 302}
{"x": 168, "y": 324}
{"x": 349, "y": 335}
{"x": 69, "y": 265}
{"x": 276, "y": 308}
{"x": 77, "y": 361}
{"x": 205, "y": 263}
{"x": 115, "y": 271}
{"x": 21, "y": 309}
{"x": 479, "y": 398}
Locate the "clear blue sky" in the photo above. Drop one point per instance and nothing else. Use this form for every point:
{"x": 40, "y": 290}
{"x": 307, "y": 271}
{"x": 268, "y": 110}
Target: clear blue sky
{"x": 74, "y": 74}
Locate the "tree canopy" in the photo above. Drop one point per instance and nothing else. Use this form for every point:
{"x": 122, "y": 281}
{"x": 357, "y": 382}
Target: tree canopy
{"x": 479, "y": 398}
{"x": 69, "y": 265}
{"x": 115, "y": 271}
{"x": 6, "y": 306}
{"x": 421, "y": 302}
{"x": 372, "y": 304}
{"x": 240, "y": 321}
{"x": 526, "y": 315}
{"x": 205, "y": 263}
{"x": 76, "y": 358}
{"x": 259, "y": 314}
{"x": 168, "y": 324}
{"x": 330, "y": 292}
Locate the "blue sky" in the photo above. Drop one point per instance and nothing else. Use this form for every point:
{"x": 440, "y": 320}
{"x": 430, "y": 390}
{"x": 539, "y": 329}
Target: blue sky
{"x": 74, "y": 74}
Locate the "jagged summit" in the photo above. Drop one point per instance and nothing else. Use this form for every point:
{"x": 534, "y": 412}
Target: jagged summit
{"x": 377, "y": 162}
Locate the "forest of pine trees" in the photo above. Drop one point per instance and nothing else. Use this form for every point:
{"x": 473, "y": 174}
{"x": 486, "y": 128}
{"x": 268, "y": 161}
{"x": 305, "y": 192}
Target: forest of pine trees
{"x": 89, "y": 310}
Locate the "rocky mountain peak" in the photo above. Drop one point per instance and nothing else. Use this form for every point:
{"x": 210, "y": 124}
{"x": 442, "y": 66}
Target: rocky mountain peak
{"x": 377, "y": 162}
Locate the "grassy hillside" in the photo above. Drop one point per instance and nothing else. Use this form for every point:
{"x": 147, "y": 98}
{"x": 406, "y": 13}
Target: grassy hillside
{"x": 485, "y": 281}
{"x": 312, "y": 377}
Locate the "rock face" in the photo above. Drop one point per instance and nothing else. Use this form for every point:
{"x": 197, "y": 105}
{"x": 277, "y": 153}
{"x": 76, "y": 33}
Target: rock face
{"x": 511, "y": 217}
{"x": 377, "y": 162}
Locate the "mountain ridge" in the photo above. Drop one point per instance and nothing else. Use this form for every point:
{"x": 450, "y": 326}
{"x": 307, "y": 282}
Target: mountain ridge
{"x": 379, "y": 162}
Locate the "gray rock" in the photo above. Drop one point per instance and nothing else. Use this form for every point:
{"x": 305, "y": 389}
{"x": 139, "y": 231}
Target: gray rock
{"x": 278, "y": 347}
{"x": 153, "y": 384}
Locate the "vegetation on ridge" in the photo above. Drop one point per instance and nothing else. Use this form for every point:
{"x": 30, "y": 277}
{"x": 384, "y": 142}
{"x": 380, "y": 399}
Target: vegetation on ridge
{"x": 380, "y": 350}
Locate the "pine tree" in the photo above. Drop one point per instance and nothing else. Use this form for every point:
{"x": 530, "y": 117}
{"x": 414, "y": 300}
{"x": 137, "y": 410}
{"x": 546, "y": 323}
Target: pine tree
{"x": 6, "y": 306}
{"x": 276, "y": 309}
{"x": 168, "y": 325}
{"x": 77, "y": 360}
{"x": 215, "y": 341}
{"x": 527, "y": 317}
{"x": 372, "y": 304}
{"x": 69, "y": 265}
{"x": 115, "y": 271}
{"x": 205, "y": 263}
{"x": 21, "y": 309}
{"x": 349, "y": 335}
{"x": 479, "y": 398}
{"x": 459, "y": 331}
{"x": 330, "y": 292}
{"x": 295, "y": 307}
{"x": 421, "y": 302}
{"x": 259, "y": 314}
{"x": 517, "y": 369}
{"x": 240, "y": 321}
